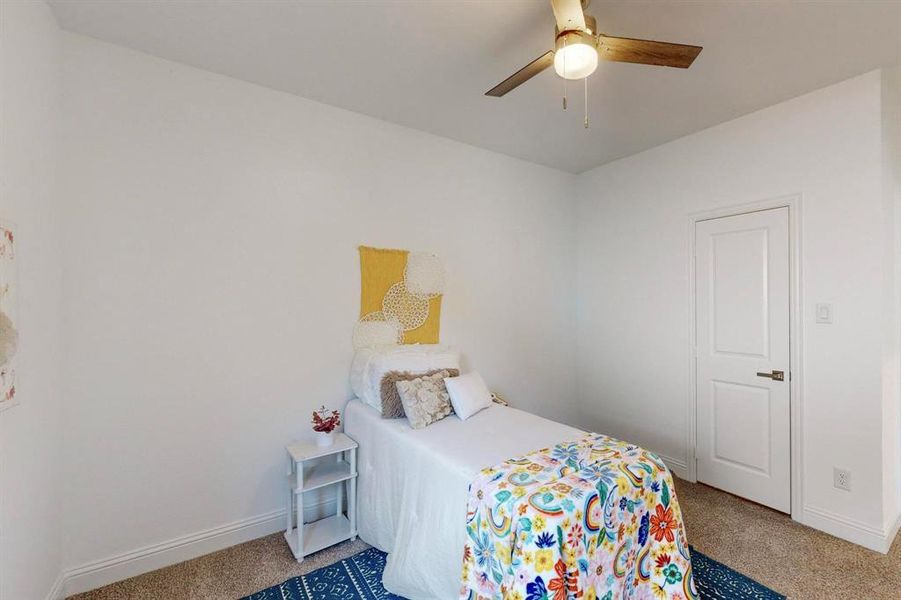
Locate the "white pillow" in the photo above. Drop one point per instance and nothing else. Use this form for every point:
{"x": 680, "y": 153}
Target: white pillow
{"x": 468, "y": 394}
{"x": 371, "y": 364}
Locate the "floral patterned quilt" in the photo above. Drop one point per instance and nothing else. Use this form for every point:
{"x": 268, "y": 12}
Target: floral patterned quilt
{"x": 595, "y": 518}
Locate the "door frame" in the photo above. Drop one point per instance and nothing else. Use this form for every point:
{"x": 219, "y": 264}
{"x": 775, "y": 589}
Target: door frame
{"x": 793, "y": 203}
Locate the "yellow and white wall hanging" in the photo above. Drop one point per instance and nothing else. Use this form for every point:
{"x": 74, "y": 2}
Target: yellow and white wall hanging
{"x": 400, "y": 297}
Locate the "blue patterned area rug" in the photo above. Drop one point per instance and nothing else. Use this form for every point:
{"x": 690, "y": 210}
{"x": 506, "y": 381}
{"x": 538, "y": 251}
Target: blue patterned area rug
{"x": 360, "y": 578}
{"x": 716, "y": 581}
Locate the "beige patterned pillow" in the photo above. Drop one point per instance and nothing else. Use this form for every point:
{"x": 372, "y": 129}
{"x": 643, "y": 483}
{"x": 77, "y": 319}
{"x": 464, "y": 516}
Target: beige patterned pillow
{"x": 425, "y": 399}
{"x": 392, "y": 407}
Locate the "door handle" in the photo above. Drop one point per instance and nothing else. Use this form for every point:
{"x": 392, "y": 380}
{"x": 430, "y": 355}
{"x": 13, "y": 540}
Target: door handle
{"x": 775, "y": 375}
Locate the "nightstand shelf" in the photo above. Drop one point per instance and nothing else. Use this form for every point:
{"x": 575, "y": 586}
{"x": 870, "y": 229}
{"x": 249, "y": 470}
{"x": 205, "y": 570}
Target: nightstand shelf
{"x": 319, "y": 535}
{"x": 321, "y": 475}
{"x": 304, "y": 539}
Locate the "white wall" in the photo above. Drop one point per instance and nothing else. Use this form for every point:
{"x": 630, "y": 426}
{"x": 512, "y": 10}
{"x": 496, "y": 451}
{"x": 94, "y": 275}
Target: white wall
{"x": 891, "y": 140}
{"x": 212, "y": 283}
{"x": 633, "y": 286}
{"x": 30, "y": 473}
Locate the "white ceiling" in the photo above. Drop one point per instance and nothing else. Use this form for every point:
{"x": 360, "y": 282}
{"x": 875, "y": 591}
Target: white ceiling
{"x": 427, "y": 64}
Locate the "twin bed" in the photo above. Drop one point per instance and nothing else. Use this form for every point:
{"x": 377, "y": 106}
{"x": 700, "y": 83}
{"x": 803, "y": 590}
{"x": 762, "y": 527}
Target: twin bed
{"x": 509, "y": 505}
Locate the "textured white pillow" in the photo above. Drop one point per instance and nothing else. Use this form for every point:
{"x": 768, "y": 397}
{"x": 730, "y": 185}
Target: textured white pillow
{"x": 425, "y": 399}
{"x": 371, "y": 364}
{"x": 468, "y": 394}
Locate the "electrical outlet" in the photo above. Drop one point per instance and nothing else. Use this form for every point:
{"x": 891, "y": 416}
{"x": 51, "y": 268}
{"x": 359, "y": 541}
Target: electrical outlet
{"x": 841, "y": 478}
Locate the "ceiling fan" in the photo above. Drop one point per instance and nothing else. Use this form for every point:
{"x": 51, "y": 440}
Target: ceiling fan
{"x": 578, "y": 47}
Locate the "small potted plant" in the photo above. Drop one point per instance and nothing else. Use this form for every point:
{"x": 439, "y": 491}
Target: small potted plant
{"x": 325, "y": 422}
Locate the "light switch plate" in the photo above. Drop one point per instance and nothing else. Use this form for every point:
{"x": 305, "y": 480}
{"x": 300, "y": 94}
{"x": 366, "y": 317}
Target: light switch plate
{"x": 824, "y": 313}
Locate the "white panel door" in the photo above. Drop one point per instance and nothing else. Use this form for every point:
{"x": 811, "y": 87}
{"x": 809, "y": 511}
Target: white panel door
{"x": 743, "y": 408}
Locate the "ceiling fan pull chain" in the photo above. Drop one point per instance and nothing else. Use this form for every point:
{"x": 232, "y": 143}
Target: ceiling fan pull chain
{"x": 564, "y": 73}
{"x": 586, "y": 103}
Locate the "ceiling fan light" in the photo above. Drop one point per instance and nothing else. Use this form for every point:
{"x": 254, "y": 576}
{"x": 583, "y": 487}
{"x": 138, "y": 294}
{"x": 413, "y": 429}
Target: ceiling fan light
{"x": 576, "y": 56}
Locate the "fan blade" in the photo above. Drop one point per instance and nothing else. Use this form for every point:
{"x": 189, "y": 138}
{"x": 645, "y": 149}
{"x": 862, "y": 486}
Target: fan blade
{"x": 523, "y": 75}
{"x": 647, "y": 52}
{"x": 569, "y": 14}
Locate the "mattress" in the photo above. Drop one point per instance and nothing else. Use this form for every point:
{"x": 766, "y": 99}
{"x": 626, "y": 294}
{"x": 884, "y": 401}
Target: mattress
{"x": 413, "y": 486}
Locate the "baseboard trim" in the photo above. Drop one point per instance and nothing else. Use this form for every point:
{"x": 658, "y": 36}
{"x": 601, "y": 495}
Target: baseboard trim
{"x": 56, "y": 592}
{"x": 852, "y": 530}
{"x": 156, "y": 556}
{"x": 893, "y": 532}
{"x": 678, "y": 467}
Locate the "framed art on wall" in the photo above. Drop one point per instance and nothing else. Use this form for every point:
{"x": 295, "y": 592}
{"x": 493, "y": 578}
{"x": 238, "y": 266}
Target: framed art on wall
{"x": 9, "y": 336}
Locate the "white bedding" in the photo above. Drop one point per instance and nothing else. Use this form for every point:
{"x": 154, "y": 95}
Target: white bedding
{"x": 413, "y": 486}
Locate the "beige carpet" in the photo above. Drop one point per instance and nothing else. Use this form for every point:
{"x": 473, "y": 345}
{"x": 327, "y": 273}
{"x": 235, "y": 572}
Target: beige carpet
{"x": 800, "y": 562}
{"x": 765, "y": 545}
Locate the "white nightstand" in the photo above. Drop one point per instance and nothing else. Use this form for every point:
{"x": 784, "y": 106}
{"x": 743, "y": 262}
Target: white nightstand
{"x": 312, "y": 537}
